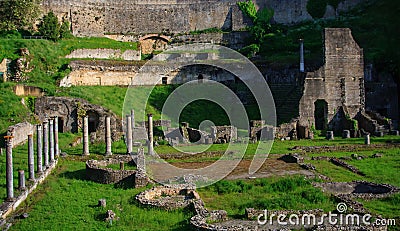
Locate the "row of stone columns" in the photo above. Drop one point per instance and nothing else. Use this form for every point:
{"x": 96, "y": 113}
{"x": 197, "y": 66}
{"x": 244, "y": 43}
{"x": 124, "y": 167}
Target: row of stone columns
{"x": 108, "y": 138}
{"x": 130, "y": 125}
{"x": 47, "y": 140}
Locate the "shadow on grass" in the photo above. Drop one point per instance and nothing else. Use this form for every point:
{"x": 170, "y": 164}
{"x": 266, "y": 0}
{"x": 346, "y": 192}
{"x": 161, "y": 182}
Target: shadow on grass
{"x": 75, "y": 175}
{"x": 126, "y": 183}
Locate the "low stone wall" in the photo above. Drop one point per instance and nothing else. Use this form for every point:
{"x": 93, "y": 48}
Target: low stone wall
{"x": 168, "y": 197}
{"x": 20, "y": 132}
{"x": 343, "y": 164}
{"x": 348, "y": 148}
{"x": 22, "y": 90}
{"x": 105, "y": 54}
{"x": 359, "y": 189}
{"x": 96, "y": 170}
{"x": 9, "y": 206}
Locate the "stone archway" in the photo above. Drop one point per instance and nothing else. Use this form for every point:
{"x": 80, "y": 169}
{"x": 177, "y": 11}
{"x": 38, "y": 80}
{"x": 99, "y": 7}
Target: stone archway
{"x": 153, "y": 42}
{"x": 320, "y": 114}
{"x": 93, "y": 121}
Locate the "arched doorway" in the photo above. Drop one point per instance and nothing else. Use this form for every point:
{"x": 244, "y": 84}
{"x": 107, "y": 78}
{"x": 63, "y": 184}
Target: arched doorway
{"x": 93, "y": 121}
{"x": 321, "y": 114}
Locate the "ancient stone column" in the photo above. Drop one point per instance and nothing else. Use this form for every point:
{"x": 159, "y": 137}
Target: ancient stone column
{"x": 121, "y": 165}
{"x": 31, "y": 163}
{"x": 86, "y": 136}
{"x": 301, "y": 55}
{"x": 9, "y": 168}
{"x": 21, "y": 179}
{"x": 150, "y": 130}
{"x": 46, "y": 143}
{"x": 39, "y": 140}
{"x": 108, "y": 136}
{"x": 346, "y": 134}
{"x": 367, "y": 139}
{"x": 129, "y": 134}
{"x": 51, "y": 139}
{"x": 329, "y": 135}
{"x": 56, "y": 145}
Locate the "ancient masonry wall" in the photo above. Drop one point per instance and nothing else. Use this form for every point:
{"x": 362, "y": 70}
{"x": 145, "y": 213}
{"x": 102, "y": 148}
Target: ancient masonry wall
{"x": 69, "y": 111}
{"x": 104, "y": 54}
{"x": 20, "y": 131}
{"x": 340, "y": 82}
{"x": 91, "y": 73}
{"x": 97, "y": 17}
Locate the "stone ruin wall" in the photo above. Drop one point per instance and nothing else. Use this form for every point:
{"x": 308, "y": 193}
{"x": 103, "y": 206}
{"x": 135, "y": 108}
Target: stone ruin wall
{"x": 104, "y": 54}
{"x": 103, "y": 73}
{"x": 340, "y": 82}
{"x": 97, "y": 171}
{"x": 67, "y": 111}
{"x": 20, "y": 132}
{"x": 97, "y": 18}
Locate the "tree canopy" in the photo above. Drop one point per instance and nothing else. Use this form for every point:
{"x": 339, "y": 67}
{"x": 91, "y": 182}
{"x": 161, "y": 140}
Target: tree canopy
{"x": 18, "y": 14}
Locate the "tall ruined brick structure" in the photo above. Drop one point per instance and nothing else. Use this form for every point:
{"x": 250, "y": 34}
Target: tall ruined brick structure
{"x": 338, "y": 86}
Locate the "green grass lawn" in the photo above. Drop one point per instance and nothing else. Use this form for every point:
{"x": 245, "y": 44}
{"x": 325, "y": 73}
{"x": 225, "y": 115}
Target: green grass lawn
{"x": 66, "y": 201}
{"x": 293, "y": 192}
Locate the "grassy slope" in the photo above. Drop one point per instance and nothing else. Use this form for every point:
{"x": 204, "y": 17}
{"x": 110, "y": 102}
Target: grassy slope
{"x": 68, "y": 201}
{"x": 49, "y": 66}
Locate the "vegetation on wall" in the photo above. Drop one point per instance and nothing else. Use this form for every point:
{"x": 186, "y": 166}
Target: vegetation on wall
{"x": 261, "y": 30}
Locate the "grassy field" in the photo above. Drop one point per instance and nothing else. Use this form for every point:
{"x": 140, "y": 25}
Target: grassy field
{"x": 294, "y": 193}
{"x": 69, "y": 201}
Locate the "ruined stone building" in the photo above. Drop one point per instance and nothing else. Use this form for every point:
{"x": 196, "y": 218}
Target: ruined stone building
{"x": 70, "y": 112}
{"x": 337, "y": 88}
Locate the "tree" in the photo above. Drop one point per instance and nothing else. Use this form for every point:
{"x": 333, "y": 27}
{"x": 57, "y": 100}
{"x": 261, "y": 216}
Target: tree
{"x": 49, "y": 26}
{"x": 316, "y": 8}
{"x": 65, "y": 32}
{"x": 18, "y": 14}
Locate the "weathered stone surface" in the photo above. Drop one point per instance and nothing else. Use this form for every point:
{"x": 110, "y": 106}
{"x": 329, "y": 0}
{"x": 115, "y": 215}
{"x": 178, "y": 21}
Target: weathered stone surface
{"x": 70, "y": 110}
{"x": 329, "y": 135}
{"x": 22, "y": 90}
{"x": 96, "y": 170}
{"x": 96, "y": 18}
{"x": 19, "y": 132}
{"x": 292, "y": 158}
{"x": 339, "y": 83}
{"x": 104, "y": 54}
{"x": 102, "y": 203}
{"x": 168, "y": 197}
{"x": 338, "y": 162}
{"x": 111, "y": 216}
{"x": 346, "y": 134}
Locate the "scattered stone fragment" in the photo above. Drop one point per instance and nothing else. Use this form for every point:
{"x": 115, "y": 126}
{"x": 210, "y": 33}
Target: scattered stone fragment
{"x": 24, "y": 216}
{"x": 102, "y": 203}
{"x": 111, "y": 216}
{"x": 377, "y": 155}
